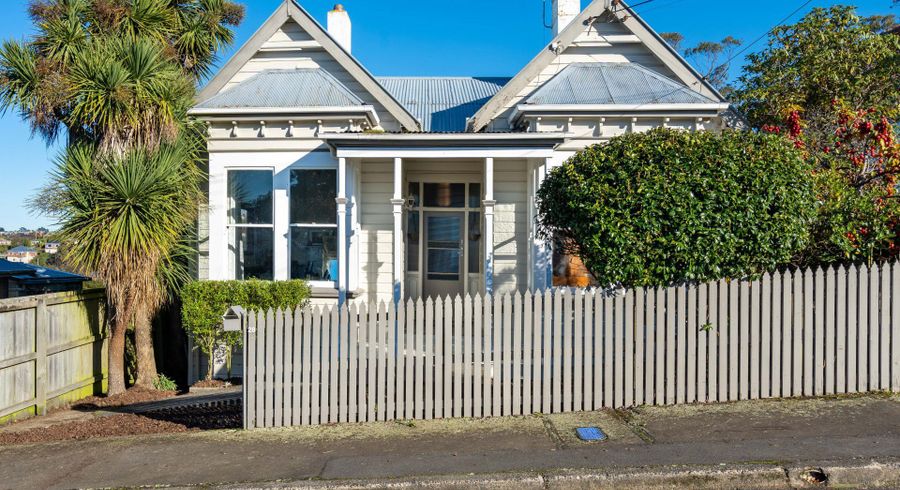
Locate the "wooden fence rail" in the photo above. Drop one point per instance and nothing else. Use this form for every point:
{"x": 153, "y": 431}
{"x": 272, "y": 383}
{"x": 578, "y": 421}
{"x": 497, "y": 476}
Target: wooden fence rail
{"x": 789, "y": 334}
{"x": 53, "y": 350}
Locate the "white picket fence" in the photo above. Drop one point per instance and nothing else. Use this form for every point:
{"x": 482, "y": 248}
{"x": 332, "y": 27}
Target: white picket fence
{"x": 790, "y": 334}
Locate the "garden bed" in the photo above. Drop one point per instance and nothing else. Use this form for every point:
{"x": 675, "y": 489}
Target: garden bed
{"x": 104, "y": 418}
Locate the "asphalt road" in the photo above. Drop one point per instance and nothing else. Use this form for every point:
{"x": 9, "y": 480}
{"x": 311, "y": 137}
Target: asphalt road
{"x": 765, "y": 435}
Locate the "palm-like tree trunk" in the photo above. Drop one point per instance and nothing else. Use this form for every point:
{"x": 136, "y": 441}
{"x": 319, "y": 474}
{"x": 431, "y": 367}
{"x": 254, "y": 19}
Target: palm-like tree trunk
{"x": 143, "y": 343}
{"x": 116, "y": 383}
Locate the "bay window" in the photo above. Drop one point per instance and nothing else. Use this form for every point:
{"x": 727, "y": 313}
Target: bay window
{"x": 251, "y": 230}
{"x": 313, "y": 221}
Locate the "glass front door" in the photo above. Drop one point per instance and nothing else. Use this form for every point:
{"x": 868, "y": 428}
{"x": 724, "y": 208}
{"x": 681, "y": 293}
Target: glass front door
{"x": 444, "y": 254}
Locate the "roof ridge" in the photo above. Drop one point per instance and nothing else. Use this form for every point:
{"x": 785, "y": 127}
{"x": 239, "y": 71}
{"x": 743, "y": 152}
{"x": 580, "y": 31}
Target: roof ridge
{"x": 439, "y": 77}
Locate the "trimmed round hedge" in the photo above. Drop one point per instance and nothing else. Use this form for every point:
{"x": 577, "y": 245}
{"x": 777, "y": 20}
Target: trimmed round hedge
{"x": 668, "y": 206}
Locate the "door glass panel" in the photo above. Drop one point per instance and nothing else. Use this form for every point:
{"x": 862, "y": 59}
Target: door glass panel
{"x": 412, "y": 241}
{"x": 443, "y": 261}
{"x": 444, "y": 232}
{"x": 444, "y": 242}
{"x": 445, "y": 195}
{"x": 474, "y": 243}
{"x": 474, "y": 195}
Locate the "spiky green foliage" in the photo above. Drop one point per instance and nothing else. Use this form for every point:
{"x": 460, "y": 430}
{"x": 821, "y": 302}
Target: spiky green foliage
{"x": 113, "y": 72}
{"x": 133, "y": 207}
{"x": 116, "y": 78}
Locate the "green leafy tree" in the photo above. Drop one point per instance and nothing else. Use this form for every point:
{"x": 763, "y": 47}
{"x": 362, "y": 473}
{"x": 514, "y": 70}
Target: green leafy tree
{"x": 831, "y": 85}
{"x": 830, "y": 55}
{"x": 116, "y": 78}
{"x": 666, "y": 206}
{"x": 204, "y": 303}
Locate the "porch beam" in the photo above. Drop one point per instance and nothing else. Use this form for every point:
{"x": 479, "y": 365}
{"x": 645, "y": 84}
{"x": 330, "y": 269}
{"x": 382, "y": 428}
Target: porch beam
{"x": 489, "y": 204}
{"x": 342, "y": 230}
{"x": 443, "y": 153}
{"x": 397, "y": 202}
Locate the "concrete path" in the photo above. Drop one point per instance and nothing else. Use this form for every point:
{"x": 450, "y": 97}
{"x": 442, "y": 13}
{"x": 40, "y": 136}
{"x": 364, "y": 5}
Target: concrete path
{"x": 761, "y": 444}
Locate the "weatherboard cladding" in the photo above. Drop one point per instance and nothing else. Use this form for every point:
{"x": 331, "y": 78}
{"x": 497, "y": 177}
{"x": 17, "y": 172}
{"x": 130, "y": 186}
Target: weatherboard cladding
{"x": 613, "y": 83}
{"x": 310, "y": 87}
{"x": 443, "y": 104}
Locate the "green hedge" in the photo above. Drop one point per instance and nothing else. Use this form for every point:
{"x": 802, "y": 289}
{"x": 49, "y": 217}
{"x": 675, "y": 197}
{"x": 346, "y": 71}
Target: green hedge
{"x": 204, "y": 302}
{"x": 666, "y": 206}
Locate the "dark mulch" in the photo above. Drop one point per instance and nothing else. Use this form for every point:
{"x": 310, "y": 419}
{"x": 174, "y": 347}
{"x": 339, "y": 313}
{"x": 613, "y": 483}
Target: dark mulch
{"x": 130, "y": 397}
{"x": 167, "y": 421}
{"x": 113, "y": 425}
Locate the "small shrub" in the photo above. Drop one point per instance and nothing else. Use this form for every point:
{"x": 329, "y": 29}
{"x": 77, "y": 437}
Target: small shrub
{"x": 204, "y": 303}
{"x": 164, "y": 383}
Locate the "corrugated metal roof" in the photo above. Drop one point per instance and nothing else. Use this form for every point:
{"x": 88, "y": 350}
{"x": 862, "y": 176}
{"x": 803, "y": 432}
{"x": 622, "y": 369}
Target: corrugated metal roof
{"x": 308, "y": 87}
{"x": 613, "y": 83}
{"x": 442, "y": 104}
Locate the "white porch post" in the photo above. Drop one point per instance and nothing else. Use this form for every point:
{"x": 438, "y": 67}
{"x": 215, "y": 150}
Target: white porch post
{"x": 397, "y": 202}
{"x": 342, "y": 230}
{"x": 489, "y": 203}
{"x": 543, "y": 257}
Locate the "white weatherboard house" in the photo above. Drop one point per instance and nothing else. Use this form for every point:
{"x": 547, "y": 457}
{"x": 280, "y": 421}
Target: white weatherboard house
{"x": 403, "y": 187}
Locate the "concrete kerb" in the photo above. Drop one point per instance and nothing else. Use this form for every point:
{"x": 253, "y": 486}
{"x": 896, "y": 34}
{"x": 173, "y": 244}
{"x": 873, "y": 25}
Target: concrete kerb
{"x": 865, "y": 475}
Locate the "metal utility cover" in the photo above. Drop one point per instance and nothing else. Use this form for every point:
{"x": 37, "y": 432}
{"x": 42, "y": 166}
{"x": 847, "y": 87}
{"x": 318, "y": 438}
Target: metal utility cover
{"x": 590, "y": 434}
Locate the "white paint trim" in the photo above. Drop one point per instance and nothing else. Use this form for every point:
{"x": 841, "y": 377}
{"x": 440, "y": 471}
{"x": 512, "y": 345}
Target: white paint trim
{"x": 488, "y": 238}
{"x": 254, "y": 113}
{"x": 444, "y": 153}
{"x": 341, "y": 201}
{"x": 397, "y": 203}
{"x": 629, "y": 110}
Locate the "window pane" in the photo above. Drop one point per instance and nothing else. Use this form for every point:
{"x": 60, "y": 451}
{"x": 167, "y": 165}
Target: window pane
{"x": 412, "y": 242}
{"x": 474, "y": 243}
{"x": 312, "y": 196}
{"x": 445, "y": 195}
{"x": 251, "y": 253}
{"x": 314, "y": 254}
{"x": 250, "y": 197}
{"x": 474, "y": 195}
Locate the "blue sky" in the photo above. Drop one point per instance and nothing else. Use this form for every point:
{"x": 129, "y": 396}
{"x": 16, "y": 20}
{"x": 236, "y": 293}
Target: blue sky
{"x": 414, "y": 37}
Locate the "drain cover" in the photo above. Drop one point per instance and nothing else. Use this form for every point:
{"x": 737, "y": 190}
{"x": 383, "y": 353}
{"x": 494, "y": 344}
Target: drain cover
{"x": 590, "y": 434}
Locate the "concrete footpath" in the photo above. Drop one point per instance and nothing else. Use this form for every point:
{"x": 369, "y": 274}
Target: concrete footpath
{"x": 761, "y": 444}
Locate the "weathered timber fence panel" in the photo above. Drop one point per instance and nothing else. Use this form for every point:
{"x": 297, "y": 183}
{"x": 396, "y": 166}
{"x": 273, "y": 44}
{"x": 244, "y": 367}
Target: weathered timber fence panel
{"x": 788, "y": 334}
{"x": 53, "y": 350}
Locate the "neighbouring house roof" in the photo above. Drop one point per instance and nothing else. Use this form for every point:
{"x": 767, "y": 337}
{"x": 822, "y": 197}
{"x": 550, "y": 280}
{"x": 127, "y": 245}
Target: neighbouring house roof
{"x": 21, "y": 250}
{"x": 32, "y": 274}
{"x": 443, "y": 104}
{"x": 308, "y": 87}
{"x": 613, "y": 83}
